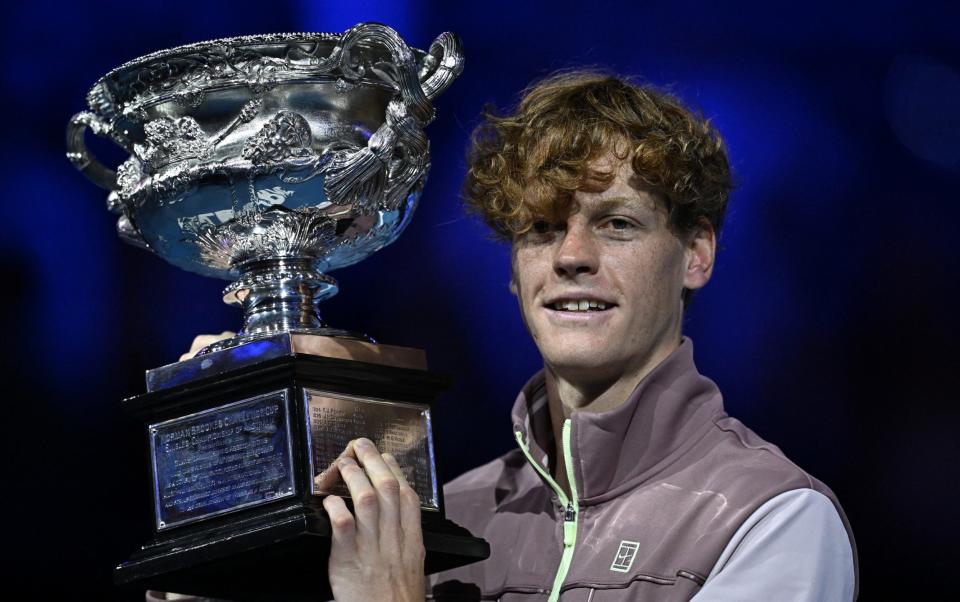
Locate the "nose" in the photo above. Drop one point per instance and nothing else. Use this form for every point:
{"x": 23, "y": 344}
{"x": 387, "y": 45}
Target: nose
{"x": 577, "y": 254}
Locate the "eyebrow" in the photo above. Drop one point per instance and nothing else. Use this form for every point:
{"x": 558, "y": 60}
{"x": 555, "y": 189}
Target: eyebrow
{"x": 621, "y": 201}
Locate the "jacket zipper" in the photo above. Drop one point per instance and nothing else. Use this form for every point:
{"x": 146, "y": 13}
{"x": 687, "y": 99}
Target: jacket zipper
{"x": 571, "y": 506}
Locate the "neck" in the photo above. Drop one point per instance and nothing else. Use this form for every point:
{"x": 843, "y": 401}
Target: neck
{"x": 568, "y": 392}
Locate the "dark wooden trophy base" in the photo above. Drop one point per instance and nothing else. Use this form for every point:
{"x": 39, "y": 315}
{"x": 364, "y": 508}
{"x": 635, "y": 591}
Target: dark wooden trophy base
{"x": 278, "y": 550}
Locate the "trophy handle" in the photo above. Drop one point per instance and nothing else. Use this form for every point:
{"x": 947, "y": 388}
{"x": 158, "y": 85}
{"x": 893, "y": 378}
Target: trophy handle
{"x": 354, "y": 174}
{"x": 77, "y": 152}
{"x": 446, "y": 53}
{"x": 97, "y": 172}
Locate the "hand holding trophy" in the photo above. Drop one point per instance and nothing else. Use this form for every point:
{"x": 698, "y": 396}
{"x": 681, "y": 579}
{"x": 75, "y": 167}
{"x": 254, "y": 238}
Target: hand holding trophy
{"x": 270, "y": 161}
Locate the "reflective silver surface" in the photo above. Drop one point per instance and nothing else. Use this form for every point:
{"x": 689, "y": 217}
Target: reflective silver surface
{"x": 219, "y": 362}
{"x": 222, "y": 459}
{"x": 401, "y": 429}
{"x": 269, "y": 160}
{"x": 282, "y": 344}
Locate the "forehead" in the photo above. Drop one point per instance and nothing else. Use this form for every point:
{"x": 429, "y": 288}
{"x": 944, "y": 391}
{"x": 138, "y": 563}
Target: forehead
{"x": 626, "y": 190}
{"x": 642, "y": 205}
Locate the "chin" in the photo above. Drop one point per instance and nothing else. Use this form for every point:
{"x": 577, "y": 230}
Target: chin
{"x": 575, "y": 359}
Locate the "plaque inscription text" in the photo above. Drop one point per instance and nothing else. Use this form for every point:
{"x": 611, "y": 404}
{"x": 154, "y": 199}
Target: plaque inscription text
{"x": 222, "y": 459}
{"x": 400, "y": 429}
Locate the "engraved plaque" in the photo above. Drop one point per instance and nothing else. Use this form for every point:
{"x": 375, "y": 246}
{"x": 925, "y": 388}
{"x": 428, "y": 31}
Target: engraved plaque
{"x": 401, "y": 429}
{"x": 223, "y": 459}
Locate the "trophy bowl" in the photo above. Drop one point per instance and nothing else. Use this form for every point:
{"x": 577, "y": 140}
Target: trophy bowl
{"x": 269, "y": 160}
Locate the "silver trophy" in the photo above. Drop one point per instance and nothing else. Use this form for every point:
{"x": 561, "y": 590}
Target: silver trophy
{"x": 270, "y": 161}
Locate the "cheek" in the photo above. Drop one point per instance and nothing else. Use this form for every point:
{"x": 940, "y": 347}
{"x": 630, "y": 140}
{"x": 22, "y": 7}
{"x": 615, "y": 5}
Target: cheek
{"x": 652, "y": 276}
{"x": 671, "y": 258}
{"x": 523, "y": 285}
{"x": 525, "y": 273}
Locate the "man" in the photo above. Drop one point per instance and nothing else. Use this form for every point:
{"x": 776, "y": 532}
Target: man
{"x": 629, "y": 482}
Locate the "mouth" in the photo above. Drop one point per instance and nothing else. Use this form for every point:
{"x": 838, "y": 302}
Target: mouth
{"x": 580, "y": 305}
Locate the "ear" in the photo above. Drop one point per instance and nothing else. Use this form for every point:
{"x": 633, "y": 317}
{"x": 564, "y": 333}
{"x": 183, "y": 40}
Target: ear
{"x": 699, "y": 256}
{"x": 513, "y": 286}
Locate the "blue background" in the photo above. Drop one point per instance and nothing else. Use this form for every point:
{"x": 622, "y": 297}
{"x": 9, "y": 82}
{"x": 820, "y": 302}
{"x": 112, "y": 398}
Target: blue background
{"x": 830, "y": 323}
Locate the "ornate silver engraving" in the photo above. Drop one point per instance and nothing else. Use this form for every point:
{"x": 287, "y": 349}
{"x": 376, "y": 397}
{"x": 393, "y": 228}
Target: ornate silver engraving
{"x": 171, "y": 185}
{"x": 172, "y": 140}
{"x": 255, "y": 235}
{"x": 286, "y": 136}
{"x": 303, "y": 149}
{"x": 129, "y": 175}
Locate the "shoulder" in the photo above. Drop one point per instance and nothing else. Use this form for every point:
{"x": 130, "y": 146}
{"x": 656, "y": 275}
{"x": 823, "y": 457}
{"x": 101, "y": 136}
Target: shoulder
{"x": 754, "y": 471}
{"x": 508, "y": 471}
{"x": 729, "y": 477}
{"x": 484, "y": 476}
{"x": 796, "y": 543}
{"x": 785, "y": 513}
{"x": 476, "y": 495}
{"x": 737, "y": 458}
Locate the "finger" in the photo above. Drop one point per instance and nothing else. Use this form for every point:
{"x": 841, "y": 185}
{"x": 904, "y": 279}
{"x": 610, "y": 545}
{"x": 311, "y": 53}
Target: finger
{"x": 387, "y": 488}
{"x": 326, "y": 480}
{"x": 365, "y": 503}
{"x": 342, "y": 525}
{"x": 409, "y": 503}
{"x": 348, "y": 452}
{"x": 203, "y": 340}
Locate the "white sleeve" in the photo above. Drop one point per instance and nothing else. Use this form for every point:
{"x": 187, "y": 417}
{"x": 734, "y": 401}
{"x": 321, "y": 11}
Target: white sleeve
{"x": 793, "y": 548}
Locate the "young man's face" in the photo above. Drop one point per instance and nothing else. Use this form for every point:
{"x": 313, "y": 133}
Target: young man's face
{"x": 601, "y": 292}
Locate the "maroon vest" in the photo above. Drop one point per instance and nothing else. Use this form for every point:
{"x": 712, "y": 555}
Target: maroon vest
{"x": 665, "y": 479}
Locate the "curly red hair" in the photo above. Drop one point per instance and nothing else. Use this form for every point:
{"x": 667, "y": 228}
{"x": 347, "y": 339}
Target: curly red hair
{"x": 525, "y": 166}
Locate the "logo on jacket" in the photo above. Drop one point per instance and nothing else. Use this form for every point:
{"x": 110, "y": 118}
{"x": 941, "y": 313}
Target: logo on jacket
{"x": 625, "y": 555}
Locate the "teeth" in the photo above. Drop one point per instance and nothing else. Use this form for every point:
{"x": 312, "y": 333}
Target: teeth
{"x": 583, "y": 305}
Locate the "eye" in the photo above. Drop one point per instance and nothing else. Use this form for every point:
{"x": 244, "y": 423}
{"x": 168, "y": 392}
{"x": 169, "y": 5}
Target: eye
{"x": 619, "y": 225}
{"x": 541, "y": 226}
{"x": 541, "y": 231}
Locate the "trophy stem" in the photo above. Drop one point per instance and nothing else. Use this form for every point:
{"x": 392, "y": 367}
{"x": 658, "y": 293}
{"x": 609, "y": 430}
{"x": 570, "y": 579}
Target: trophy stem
{"x": 280, "y": 294}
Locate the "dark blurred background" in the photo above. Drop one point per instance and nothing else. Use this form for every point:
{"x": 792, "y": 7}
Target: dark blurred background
{"x": 829, "y": 324}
